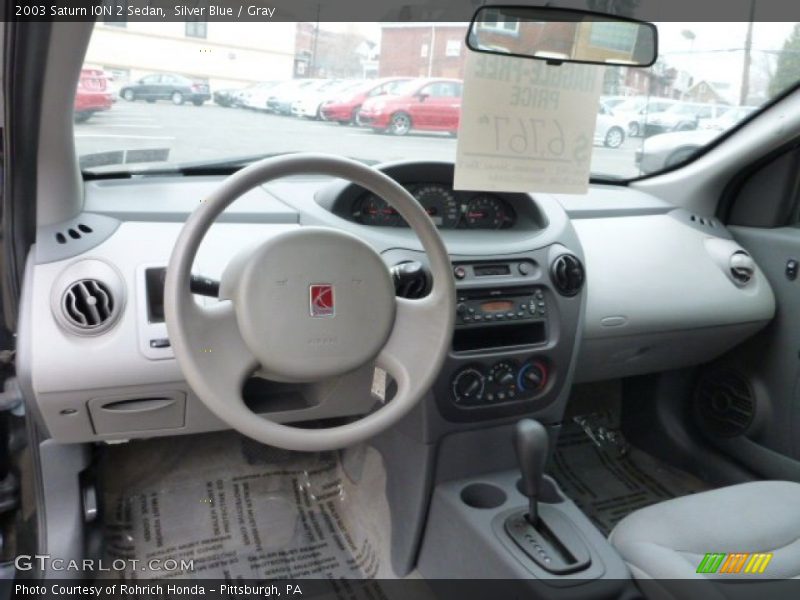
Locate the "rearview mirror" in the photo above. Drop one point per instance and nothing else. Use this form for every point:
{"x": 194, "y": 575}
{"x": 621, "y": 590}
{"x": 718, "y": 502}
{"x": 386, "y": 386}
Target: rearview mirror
{"x": 563, "y": 35}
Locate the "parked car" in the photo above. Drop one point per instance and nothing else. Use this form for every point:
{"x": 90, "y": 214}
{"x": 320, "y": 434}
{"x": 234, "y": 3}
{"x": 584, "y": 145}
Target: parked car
{"x": 226, "y": 97}
{"x": 609, "y": 129}
{"x": 281, "y": 96}
{"x": 92, "y": 94}
{"x": 728, "y": 119}
{"x": 682, "y": 116}
{"x": 166, "y": 86}
{"x": 308, "y": 102}
{"x": 345, "y": 109}
{"x": 669, "y": 149}
{"x": 256, "y": 95}
{"x": 422, "y": 104}
{"x": 614, "y": 101}
{"x": 636, "y": 112}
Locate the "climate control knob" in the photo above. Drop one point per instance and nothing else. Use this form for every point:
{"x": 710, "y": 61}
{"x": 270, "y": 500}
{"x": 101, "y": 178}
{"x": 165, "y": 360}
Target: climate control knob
{"x": 468, "y": 386}
{"x": 532, "y": 377}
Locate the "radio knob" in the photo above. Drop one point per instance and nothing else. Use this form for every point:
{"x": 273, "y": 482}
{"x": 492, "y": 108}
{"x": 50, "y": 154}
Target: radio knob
{"x": 461, "y": 309}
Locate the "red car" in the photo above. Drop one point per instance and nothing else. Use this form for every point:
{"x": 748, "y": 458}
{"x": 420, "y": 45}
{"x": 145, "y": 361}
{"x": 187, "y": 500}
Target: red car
{"x": 93, "y": 94}
{"x": 423, "y": 104}
{"x": 346, "y": 109}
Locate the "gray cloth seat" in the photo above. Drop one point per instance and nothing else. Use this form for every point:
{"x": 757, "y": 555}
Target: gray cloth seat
{"x": 667, "y": 541}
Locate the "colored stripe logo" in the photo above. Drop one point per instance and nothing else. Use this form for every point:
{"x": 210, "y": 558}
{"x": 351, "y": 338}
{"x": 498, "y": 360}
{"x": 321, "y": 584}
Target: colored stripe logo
{"x": 734, "y": 563}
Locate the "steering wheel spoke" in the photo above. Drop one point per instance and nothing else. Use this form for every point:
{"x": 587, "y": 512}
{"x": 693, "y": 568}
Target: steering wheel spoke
{"x": 216, "y": 346}
{"x": 416, "y": 326}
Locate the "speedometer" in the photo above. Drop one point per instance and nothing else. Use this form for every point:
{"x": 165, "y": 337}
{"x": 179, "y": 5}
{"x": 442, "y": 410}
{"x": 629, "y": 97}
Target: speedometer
{"x": 487, "y": 212}
{"x": 372, "y": 210}
{"x": 440, "y": 204}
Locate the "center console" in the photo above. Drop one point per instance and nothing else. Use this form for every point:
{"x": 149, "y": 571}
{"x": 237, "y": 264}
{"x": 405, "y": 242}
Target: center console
{"x": 518, "y": 526}
{"x": 515, "y": 332}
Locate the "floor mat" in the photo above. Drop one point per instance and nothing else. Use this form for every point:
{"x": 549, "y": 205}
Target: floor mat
{"x": 608, "y": 479}
{"x": 240, "y": 510}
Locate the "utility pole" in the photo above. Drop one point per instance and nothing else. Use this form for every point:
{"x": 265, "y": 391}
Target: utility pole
{"x": 431, "y": 50}
{"x": 748, "y": 44}
{"x": 312, "y": 70}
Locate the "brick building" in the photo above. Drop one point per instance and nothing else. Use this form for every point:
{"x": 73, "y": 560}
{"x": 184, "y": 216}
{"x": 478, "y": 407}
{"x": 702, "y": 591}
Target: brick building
{"x": 433, "y": 50}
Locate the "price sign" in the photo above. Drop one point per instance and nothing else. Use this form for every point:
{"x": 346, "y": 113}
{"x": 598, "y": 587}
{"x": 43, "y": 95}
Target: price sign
{"x": 526, "y": 126}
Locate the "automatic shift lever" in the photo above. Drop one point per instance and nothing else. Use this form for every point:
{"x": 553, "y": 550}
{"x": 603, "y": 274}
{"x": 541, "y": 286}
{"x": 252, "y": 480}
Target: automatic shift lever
{"x": 549, "y": 539}
{"x": 531, "y": 444}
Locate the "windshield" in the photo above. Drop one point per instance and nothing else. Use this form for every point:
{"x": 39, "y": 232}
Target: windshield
{"x": 406, "y": 88}
{"x": 164, "y": 95}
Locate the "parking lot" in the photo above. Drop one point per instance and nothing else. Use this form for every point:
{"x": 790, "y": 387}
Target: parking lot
{"x": 211, "y": 132}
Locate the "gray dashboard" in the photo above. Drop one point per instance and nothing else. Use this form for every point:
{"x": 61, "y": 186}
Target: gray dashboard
{"x": 636, "y": 313}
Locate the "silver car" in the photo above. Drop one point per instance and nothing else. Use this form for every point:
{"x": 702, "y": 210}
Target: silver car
{"x": 669, "y": 149}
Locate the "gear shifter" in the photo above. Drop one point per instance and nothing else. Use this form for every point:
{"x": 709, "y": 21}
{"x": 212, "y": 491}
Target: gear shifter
{"x": 544, "y": 532}
{"x": 531, "y": 444}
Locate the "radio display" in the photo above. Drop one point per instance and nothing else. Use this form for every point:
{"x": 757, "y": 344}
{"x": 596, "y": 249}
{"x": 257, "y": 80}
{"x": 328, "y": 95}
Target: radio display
{"x": 497, "y": 306}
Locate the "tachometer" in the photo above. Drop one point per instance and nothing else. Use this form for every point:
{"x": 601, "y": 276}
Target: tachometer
{"x": 440, "y": 204}
{"x": 372, "y": 210}
{"x": 487, "y": 212}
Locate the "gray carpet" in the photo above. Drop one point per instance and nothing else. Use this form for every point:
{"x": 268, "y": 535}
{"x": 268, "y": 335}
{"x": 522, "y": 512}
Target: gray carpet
{"x": 236, "y": 509}
{"x": 607, "y": 478}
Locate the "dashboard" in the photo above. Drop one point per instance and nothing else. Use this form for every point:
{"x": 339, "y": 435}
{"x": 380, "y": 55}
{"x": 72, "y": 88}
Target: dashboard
{"x": 431, "y": 183}
{"x": 447, "y": 208}
{"x": 551, "y": 290}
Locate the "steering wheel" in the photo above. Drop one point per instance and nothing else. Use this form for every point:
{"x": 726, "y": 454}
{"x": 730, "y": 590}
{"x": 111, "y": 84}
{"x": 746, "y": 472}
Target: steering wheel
{"x": 308, "y": 305}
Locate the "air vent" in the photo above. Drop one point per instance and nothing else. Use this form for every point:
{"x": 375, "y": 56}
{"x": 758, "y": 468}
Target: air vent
{"x": 742, "y": 267}
{"x": 703, "y": 221}
{"x": 75, "y": 233}
{"x": 411, "y": 280}
{"x": 724, "y": 403}
{"x": 88, "y": 304}
{"x": 567, "y": 274}
{"x": 88, "y": 297}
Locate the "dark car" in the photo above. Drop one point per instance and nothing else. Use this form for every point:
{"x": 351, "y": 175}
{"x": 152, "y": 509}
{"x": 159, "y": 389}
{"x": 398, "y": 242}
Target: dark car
{"x": 166, "y": 86}
{"x": 232, "y": 97}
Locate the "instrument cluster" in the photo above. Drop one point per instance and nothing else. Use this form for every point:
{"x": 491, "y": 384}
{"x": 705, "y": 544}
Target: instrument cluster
{"x": 447, "y": 208}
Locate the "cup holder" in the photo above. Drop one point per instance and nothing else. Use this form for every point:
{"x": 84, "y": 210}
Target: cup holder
{"x": 549, "y": 493}
{"x": 483, "y": 495}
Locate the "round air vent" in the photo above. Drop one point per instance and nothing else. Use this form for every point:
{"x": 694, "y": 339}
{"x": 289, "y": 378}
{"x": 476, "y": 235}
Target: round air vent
{"x": 724, "y": 403}
{"x": 567, "y": 274}
{"x": 88, "y": 304}
{"x": 742, "y": 267}
{"x": 88, "y": 297}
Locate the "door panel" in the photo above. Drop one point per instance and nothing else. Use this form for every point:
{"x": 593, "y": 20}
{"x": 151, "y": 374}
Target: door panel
{"x": 761, "y": 212}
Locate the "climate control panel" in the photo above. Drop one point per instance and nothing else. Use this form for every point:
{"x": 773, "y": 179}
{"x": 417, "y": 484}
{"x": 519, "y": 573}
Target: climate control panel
{"x": 505, "y": 381}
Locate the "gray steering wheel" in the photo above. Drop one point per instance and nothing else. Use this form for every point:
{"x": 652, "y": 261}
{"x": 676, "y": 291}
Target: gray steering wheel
{"x": 311, "y": 304}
